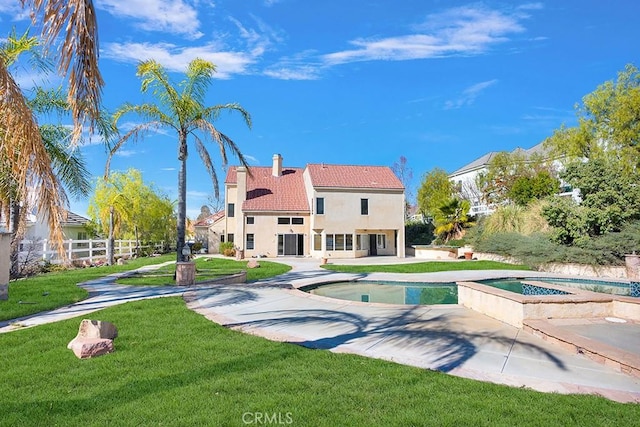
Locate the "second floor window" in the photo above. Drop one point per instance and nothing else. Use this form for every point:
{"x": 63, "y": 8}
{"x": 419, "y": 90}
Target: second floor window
{"x": 364, "y": 206}
{"x": 320, "y": 206}
{"x": 231, "y": 210}
{"x": 250, "y": 220}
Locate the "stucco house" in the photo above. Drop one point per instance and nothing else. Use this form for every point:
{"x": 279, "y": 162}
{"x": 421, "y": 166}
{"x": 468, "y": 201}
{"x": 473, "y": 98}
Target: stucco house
{"x": 465, "y": 178}
{"x": 321, "y": 210}
{"x": 205, "y": 232}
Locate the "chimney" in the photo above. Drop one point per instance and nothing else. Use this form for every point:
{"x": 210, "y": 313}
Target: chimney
{"x": 277, "y": 165}
{"x": 241, "y": 182}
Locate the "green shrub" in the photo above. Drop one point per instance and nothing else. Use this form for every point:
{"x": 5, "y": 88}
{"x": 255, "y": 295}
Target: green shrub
{"x": 227, "y": 249}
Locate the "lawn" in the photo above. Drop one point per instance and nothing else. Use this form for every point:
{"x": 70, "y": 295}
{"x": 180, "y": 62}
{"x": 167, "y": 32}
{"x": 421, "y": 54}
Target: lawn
{"x": 425, "y": 267}
{"x": 57, "y": 289}
{"x": 173, "y": 367}
{"x": 53, "y": 290}
{"x": 208, "y": 269}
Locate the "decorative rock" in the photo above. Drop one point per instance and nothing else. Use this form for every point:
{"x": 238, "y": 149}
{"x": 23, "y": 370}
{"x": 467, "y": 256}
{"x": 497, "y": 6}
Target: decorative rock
{"x": 91, "y": 347}
{"x": 253, "y": 264}
{"x": 97, "y": 329}
{"x": 95, "y": 338}
{"x": 121, "y": 261}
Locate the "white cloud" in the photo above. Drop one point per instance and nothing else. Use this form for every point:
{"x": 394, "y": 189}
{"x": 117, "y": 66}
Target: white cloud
{"x": 127, "y": 153}
{"x": 168, "y": 169}
{"x": 175, "y": 58}
{"x": 197, "y": 194}
{"x": 13, "y": 8}
{"x": 469, "y": 30}
{"x": 470, "y": 94}
{"x": 172, "y": 16}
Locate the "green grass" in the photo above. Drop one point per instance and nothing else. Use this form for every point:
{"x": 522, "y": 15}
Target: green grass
{"x": 207, "y": 269}
{"x": 57, "y": 289}
{"x": 425, "y": 267}
{"x": 173, "y": 367}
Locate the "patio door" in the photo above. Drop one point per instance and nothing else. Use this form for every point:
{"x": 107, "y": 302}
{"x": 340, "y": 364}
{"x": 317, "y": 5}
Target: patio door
{"x": 290, "y": 244}
{"x": 373, "y": 244}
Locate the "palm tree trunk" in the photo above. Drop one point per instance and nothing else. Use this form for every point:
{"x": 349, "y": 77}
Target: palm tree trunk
{"x": 182, "y": 198}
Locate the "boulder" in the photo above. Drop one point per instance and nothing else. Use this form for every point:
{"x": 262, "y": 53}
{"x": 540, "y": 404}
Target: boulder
{"x": 94, "y": 338}
{"x": 253, "y": 264}
{"x": 91, "y": 347}
{"x": 97, "y": 329}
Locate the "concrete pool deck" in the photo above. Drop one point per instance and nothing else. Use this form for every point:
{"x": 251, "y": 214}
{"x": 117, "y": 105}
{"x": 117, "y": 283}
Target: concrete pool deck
{"x": 448, "y": 338}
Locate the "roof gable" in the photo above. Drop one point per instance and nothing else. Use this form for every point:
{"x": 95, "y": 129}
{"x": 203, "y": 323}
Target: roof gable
{"x": 209, "y": 220}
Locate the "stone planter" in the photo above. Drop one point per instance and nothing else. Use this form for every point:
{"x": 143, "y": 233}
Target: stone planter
{"x": 468, "y": 255}
{"x": 185, "y": 273}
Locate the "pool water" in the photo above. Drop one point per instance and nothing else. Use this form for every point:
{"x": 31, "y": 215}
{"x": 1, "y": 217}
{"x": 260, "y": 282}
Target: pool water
{"x": 391, "y": 292}
{"x": 602, "y": 286}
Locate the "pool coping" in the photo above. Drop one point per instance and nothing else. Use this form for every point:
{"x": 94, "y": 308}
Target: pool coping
{"x": 621, "y": 360}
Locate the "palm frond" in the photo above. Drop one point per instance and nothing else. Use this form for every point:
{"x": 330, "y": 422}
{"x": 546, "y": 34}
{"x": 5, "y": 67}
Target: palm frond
{"x": 78, "y": 54}
{"x": 224, "y": 143}
{"x": 213, "y": 112}
{"x": 199, "y": 73}
{"x": 29, "y": 164}
{"x": 69, "y": 165}
{"x": 134, "y": 134}
{"x": 154, "y": 76}
{"x": 208, "y": 164}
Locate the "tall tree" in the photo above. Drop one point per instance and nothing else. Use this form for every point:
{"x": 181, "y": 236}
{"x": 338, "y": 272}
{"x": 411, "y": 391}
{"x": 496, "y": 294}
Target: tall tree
{"x": 68, "y": 166}
{"x": 139, "y": 209}
{"x": 21, "y": 146}
{"x": 436, "y": 189}
{"x": 405, "y": 175}
{"x": 182, "y": 109}
{"x": 608, "y": 123}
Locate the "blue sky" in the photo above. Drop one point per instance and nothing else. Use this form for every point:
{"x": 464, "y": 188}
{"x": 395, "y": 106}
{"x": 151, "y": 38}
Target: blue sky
{"x": 360, "y": 82}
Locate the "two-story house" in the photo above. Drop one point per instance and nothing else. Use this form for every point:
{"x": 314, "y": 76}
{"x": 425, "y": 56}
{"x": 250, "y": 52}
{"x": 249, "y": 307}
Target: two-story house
{"x": 321, "y": 210}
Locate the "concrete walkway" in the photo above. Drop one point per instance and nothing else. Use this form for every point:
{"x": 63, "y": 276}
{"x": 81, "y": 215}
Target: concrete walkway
{"x": 447, "y": 338}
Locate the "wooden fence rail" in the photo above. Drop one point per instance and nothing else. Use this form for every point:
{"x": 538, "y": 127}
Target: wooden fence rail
{"x": 81, "y": 250}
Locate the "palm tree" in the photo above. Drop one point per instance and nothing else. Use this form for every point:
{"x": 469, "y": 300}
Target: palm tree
{"x": 67, "y": 166}
{"x": 452, "y": 218}
{"x": 184, "y": 112}
{"x": 22, "y": 150}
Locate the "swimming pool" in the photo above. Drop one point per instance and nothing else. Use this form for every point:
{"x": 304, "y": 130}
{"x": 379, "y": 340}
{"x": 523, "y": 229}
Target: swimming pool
{"x": 389, "y": 292}
{"x": 514, "y": 284}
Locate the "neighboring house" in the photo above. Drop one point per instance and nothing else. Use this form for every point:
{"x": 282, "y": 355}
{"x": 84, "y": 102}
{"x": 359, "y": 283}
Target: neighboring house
{"x": 465, "y": 179}
{"x": 321, "y": 210}
{"x": 73, "y": 227}
{"x": 207, "y": 232}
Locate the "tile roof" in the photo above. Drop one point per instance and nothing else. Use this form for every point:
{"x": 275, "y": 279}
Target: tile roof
{"x": 484, "y": 161}
{"x": 266, "y": 192}
{"x": 209, "y": 220}
{"x": 346, "y": 176}
{"x": 74, "y": 219}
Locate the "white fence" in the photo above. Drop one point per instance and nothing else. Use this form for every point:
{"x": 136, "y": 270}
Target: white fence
{"x": 81, "y": 250}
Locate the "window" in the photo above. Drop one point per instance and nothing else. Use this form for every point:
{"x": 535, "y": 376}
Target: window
{"x": 230, "y": 237}
{"x": 250, "y": 220}
{"x": 329, "y": 242}
{"x": 82, "y": 235}
{"x": 320, "y": 205}
{"x": 358, "y": 242}
{"x": 382, "y": 241}
{"x": 231, "y": 210}
{"x": 364, "y": 206}
{"x": 317, "y": 242}
{"x": 249, "y": 241}
{"x": 282, "y": 220}
{"x": 297, "y": 221}
{"x": 222, "y": 238}
{"x": 337, "y": 242}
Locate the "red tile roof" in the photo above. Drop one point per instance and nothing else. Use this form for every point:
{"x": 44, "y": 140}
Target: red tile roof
{"x": 344, "y": 176}
{"x": 266, "y": 192}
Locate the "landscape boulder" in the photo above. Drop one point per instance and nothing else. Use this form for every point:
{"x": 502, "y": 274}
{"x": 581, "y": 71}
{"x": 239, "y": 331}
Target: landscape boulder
{"x": 94, "y": 338}
{"x": 253, "y": 264}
